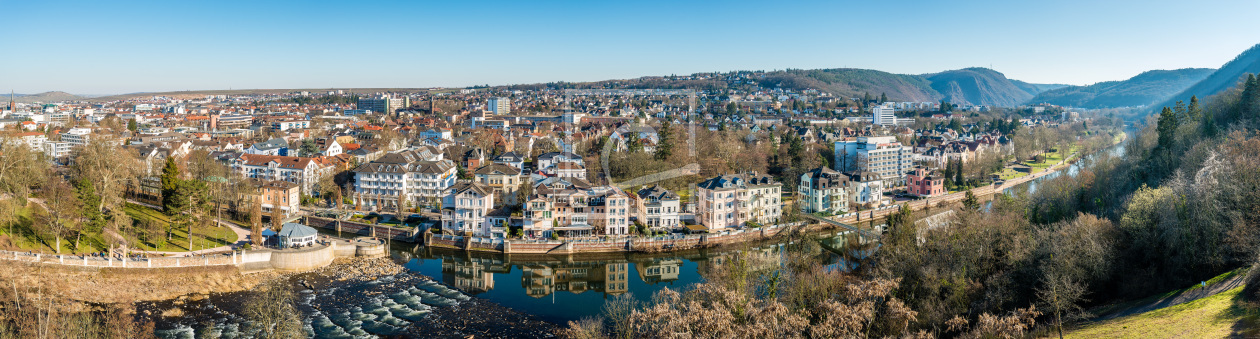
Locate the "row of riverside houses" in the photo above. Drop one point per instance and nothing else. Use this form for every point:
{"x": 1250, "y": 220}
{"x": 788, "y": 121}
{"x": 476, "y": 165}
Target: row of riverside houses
{"x": 561, "y": 203}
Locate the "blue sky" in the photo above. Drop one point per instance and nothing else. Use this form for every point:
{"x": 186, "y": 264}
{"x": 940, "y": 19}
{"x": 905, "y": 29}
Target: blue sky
{"x": 107, "y": 47}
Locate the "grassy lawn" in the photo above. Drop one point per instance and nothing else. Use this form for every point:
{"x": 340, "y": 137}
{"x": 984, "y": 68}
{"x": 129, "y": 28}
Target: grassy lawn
{"x": 25, "y": 238}
{"x": 1008, "y": 173}
{"x": 1216, "y": 316}
{"x": 205, "y": 237}
{"x": 1052, "y": 158}
{"x": 1211, "y": 317}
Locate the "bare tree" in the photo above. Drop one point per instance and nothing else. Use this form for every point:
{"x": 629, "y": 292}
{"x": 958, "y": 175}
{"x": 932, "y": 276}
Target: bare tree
{"x": 109, "y": 168}
{"x": 272, "y": 312}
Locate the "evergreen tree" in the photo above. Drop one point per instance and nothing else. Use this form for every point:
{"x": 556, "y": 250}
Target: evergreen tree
{"x": 970, "y": 201}
{"x": 883, "y": 97}
{"x": 1194, "y": 112}
{"x": 93, "y": 219}
{"x": 1250, "y": 99}
{"x": 1246, "y": 105}
{"x": 131, "y": 125}
{"x": 1208, "y": 126}
{"x": 171, "y": 202}
{"x": 958, "y": 173}
{"x": 1166, "y": 126}
{"x": 665, "y": 148}
{"x": 1179, "y": 112}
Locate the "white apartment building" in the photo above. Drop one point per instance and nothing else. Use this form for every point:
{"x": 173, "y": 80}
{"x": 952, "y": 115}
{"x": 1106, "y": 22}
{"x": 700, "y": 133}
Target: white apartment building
{"x": 657, "y": 208}
{"x": 823, "y": 190}
{"x": 34, "y": 140}
{"x": 883, "y": 155}
{"x": 418, "y": 178}
{"x": 464, "y": 209}
{"x": 77, "y": 136}
{"x": 290, "y": 124}
{"x": 730, "y": 201}
{"x": 883, "y": 115}
{"x": 499, "y": 105}
{"x": 57, "y": 149}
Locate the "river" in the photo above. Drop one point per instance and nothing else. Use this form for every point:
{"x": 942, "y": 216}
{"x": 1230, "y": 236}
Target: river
{"x": 564, "y": 288}
{"x": 1116, "y": 150}
{"x": 444, "y": 292}
{"x": 554, "y": 289}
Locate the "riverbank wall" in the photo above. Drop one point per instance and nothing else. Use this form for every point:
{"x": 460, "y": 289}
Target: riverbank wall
{"x": 249, "y": 261}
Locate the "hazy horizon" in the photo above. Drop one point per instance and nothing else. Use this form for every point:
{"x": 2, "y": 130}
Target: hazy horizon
{"x": 102, "y": 48}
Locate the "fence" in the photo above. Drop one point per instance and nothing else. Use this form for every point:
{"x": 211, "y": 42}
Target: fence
{"x": 222, "y": 259}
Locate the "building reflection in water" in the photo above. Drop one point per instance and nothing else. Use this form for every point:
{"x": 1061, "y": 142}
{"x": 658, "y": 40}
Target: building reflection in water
{"x": 473, "y": 275}
{"x": 608, "y": 278}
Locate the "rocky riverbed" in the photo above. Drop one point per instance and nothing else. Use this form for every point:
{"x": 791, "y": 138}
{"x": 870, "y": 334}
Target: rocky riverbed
{"x": 354, "y": 298}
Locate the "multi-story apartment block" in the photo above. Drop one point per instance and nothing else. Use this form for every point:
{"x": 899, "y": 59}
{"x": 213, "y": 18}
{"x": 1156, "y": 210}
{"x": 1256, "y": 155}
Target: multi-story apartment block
{"x": 883, "y": 115}
{"x": 413, "y": 178}
{"x": 301, "y": 171}
{"x": 230, "y": 121}
{"x": 866, "y": 188}
{"x": 882, "y": 155}
{"x": 574, "y": 207}
{"x": 57, "y": 149}
{"x": 464, "y": 209}
{"x": 34, "y": 140}
{"x": 383, "y": 104}
{"x": 290, "y": 124}
{"x": 731, "y": 201}
{"x": 77, "y": 136}
{"x": 823, "y": 190}
{"x": 657, "y": 208}
{"x": 499, "y": 105}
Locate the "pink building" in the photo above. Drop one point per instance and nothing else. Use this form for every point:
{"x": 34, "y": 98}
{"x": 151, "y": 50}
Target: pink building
{"x": 924, "y": 183}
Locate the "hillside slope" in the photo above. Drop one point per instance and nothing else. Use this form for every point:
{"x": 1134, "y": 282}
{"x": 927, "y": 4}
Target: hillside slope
{"x": 980, "y": 86}
{"x": 853, "y": 83}
{"x": 54, "y": 96}
{"x": 1143, "y": 89}
{"x": 1224, "y": 78}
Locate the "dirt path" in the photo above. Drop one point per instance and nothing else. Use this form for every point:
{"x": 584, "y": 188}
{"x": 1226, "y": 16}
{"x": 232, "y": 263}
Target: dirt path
{"x": 1179, "y": 298}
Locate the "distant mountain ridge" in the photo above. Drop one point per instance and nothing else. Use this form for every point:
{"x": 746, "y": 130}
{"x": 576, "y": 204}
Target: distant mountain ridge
{"x": 53, "y": 96}
{"x": 981, "y": 86}
{"x": 973, "y": 86}
{"x": 1222, "y": 79}
{"x": 1140, "y": 90}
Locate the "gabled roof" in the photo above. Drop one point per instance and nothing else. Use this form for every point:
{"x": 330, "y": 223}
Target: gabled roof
{"x": 467, "y": 186}
{"x": 658, "y": 193}
{"x": 282, "y": 161}
{"x": 498, "y": 169}
{"x": 276, "y": 143}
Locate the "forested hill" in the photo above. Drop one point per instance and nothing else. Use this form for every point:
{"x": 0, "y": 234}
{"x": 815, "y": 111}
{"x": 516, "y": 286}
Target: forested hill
{"x": 1144, "y": 89}
{"x": 854, "y": 83}
{"x": 980, "y": 86}
{"x": 1228, "y": 76}
{"x": 976, "y": 86}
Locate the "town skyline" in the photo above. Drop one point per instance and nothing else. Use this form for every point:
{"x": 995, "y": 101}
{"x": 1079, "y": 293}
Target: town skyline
{"x": 176, "y": 47}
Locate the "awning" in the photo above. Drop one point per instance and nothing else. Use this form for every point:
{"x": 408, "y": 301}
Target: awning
{"x": 574, "y": 228}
